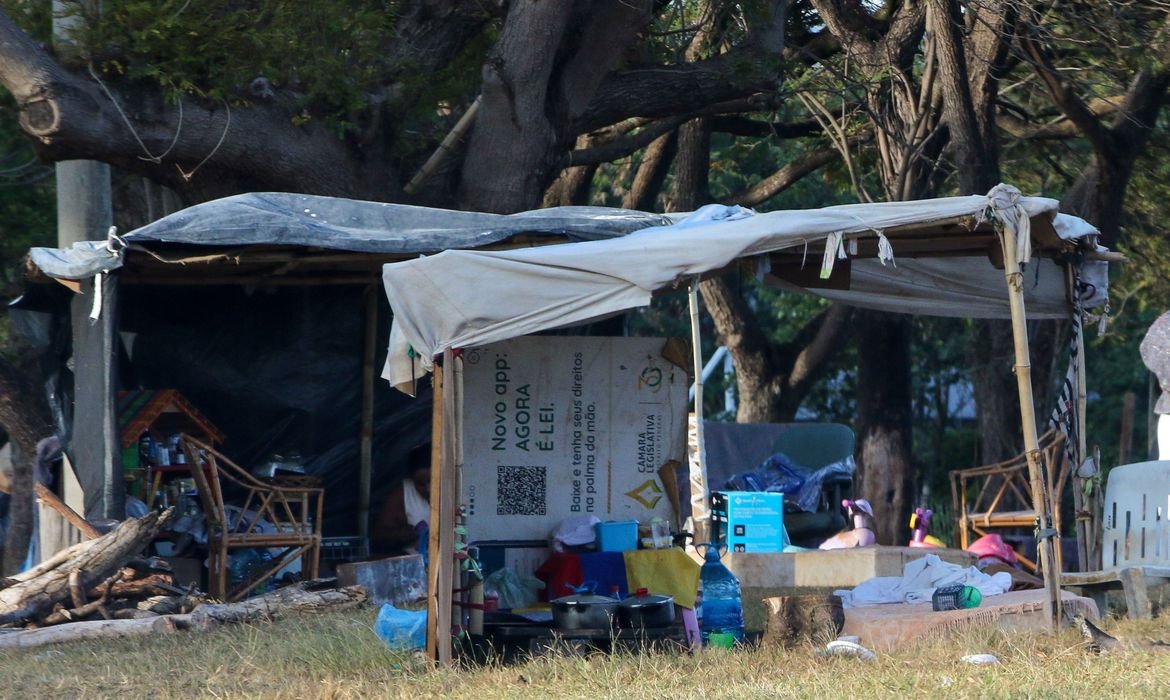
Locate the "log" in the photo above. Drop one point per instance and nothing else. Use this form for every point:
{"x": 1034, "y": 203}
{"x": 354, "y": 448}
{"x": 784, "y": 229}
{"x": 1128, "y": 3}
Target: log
{"x": 272, "y": 605}
{"x": 33, "y": 598}
{"x": 95, "y": 629}
{"x": 133, "y": 614}
{"x": 170, "y": 604}
{"x": 797, "y": 619}
{"x": 76, "y": 614}
{"x": 152, "y": 585}
{"x": 50, "y": 499}
{"x": 206, "y": 616}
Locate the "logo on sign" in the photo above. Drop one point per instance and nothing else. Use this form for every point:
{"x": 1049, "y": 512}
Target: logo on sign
{"x": 651, "y": 378}
{"x": 648, "y": 493}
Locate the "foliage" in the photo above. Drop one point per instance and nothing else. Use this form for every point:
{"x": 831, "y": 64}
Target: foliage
{"x": 28, "y": 201}
{"x": 333, "y": 54}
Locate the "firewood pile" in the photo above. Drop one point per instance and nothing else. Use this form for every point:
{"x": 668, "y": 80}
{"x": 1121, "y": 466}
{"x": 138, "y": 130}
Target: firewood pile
{"x": 102, "y": 587}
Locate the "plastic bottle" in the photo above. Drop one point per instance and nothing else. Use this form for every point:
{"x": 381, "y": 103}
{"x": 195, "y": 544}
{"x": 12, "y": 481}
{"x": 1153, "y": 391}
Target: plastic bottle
{"x": 722, "y": 602}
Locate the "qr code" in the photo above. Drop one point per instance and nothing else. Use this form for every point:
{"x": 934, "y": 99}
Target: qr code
{"x": 520, "y": 491}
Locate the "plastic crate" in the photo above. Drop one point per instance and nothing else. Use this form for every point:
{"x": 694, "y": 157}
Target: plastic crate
{"x": 344, "y": 548}
{"x": 955, "y": 597}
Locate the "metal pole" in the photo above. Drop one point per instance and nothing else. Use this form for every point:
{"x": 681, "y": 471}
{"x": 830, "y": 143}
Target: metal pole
{"x": 700, "y": 507}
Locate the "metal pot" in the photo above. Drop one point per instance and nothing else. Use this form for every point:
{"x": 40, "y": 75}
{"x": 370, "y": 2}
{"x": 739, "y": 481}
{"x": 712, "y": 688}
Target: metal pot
{"x": 582, "y": 611}
{"x": 645, "y": 610}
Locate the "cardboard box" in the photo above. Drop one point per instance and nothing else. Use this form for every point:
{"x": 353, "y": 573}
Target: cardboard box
{"x": 749, "y": 521}
{"x": 399, "y": 581}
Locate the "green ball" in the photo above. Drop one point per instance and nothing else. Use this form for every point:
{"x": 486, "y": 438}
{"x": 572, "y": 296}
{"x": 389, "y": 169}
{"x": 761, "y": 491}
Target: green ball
{"x": 971, "y": 597}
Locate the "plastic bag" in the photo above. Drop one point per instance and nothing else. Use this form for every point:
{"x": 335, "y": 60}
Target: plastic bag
{"x": 515, "y": 591}
{"x": 808, "y": 497}
{"x": 401, "y": 629}
{"x": 776, "y": 474}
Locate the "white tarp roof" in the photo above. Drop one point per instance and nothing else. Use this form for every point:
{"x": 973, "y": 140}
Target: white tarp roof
{"x": 464, "y": 298}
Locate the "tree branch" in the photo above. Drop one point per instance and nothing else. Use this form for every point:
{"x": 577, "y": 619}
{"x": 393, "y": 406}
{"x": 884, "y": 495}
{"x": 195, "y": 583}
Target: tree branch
{"x": 618, "y": 147}
{"x": 1064, "y": 97}
{"x": 785, "y": 177}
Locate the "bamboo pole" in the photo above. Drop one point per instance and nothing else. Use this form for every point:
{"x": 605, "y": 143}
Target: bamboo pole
{"x": 433, "y": 573}
{"x": 1023, "y": 370}
{"x": 444, "y": 148}
{"x": 700, "y": 451}
{"x": 452, "y": 466}
{"x": 449, "y": 493}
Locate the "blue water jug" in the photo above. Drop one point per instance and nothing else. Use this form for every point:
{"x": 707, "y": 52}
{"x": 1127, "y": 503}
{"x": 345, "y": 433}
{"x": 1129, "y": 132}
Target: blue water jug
{"x": 722, "y": 601}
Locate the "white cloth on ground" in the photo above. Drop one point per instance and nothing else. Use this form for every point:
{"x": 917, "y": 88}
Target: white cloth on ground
{"x": 918, "y": 581}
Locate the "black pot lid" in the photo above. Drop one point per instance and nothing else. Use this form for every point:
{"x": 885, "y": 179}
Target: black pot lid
{"x": 646, "y": 600}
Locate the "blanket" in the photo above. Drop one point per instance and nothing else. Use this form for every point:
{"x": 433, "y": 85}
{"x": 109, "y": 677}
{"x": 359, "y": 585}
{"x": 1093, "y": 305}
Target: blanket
{"x": 918, "y": 581}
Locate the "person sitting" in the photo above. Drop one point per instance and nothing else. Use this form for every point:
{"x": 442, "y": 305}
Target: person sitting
{"x": 406, "y": 509}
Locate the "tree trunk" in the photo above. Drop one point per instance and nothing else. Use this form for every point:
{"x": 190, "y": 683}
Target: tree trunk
{"x": 884, "y": 420}
{"x": 531, "y": 103}
{"x": 756, "y": 375}
{"x": 996, "y": 393}
{"x": 692, "y": 167}
{"x": 25, "y": 417}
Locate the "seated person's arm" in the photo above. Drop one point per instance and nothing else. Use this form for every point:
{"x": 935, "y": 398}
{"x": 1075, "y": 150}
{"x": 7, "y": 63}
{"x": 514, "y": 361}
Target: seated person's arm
{"x": 391, "y": 531}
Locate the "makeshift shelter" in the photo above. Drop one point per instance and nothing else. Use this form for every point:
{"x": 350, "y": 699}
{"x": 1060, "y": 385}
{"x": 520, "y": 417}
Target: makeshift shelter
{"x": 461, "y": 299}
{"x": 263, "y": 311}
{"x": 229, "y": 275}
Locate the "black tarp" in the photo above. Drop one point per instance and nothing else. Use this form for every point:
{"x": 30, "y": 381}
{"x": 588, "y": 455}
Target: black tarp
{"x": 278, "y": 370}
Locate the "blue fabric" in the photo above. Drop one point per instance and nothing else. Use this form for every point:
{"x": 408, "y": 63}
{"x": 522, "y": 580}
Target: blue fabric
{"x": 608, "y": 569}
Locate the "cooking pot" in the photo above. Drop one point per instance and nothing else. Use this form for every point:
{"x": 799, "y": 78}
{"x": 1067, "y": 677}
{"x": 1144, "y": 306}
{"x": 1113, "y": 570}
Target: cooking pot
{"x": 645, "y": 610}
{"x": 584, "y": 610}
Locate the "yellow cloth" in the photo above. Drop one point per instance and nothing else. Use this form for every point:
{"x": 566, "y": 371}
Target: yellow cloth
{"x": 663, "y": 572}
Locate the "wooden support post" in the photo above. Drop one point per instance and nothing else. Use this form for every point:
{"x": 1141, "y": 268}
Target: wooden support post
{"x": 366, "y": 447}
{"x": 1023, "y": 369}
{"x": 444, "y": 483}
{"x": 1125, "y": 442}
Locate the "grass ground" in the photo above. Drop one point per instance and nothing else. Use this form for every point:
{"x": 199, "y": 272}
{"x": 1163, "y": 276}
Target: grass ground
{"x": 336, "y": 655}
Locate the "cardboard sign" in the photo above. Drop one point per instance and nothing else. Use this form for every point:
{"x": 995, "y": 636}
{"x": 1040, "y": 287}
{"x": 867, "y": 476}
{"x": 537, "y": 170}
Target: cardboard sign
{"x": 555, "y": 427}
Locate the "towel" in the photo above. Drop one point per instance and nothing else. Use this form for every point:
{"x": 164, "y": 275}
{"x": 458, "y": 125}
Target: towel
{"x": 664, "y": 572}
{"x": 607, "y": 569}
{"x": 561, "y": 572}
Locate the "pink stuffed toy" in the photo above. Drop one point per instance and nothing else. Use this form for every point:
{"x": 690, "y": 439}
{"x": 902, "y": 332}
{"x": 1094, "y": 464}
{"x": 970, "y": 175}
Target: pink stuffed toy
{"x": 859, "y": 511}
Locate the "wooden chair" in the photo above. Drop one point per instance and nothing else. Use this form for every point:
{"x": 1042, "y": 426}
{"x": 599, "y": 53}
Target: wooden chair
{"x": 293, "y": 511}
{"x": 1003, "y": 493}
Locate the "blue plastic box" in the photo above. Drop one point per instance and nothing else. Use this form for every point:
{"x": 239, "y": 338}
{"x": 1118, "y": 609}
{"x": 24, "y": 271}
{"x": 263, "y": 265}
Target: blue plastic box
{"x": 617, "y": 536}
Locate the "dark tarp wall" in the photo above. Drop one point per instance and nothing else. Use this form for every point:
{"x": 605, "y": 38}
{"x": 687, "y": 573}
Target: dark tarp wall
{"x": 278, "y": 370}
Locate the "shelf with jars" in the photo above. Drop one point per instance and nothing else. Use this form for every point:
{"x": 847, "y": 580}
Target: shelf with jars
{"x": 150, "y": 422}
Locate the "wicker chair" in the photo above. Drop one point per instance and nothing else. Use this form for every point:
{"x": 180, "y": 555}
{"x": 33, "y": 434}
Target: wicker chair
{"x": 293, "y": 512}
{"x": 1003, "y": 493}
